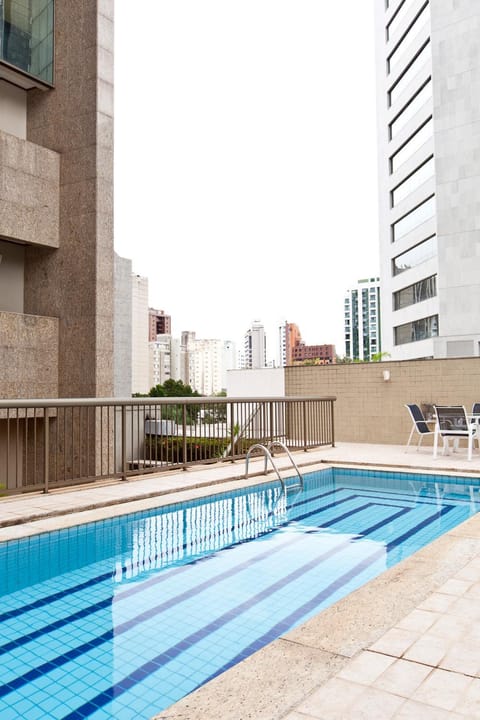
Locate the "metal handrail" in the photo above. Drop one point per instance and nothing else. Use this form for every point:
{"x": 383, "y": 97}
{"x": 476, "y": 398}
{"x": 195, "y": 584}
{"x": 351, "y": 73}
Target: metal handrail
{"x": 55, "y": 442}
{"x": 281, "y": 444}
{"x": 268, "y": 456}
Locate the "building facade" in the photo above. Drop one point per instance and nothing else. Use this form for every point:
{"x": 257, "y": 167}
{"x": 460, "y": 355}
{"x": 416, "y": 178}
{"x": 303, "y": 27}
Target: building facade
{"x": 255, "y": 346}
{"x": 158, "y": 324}
{"x": 140, "y": 349}
{"x": 428, "y": 79}
{"x": 289, "y": 336}
{"x": 317, "y": 354}
{"x": 362, "y": 320}
{"x": 56, "y": 198}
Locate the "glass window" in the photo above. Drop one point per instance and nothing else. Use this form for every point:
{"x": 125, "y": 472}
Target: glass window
{"x": 26, "y": 36}
{"x": 414, "y": 218}
{"x": 416, "y": 330}
{"x": 413, "y": 181}
{"x": 398, "y": 18}
{"x": 409, "y": 36}
{"x": 417, "y": 255}
{"x": 406, "y": 78}
{"x": 412, "y": 107}
{"x": 412, "y": 145}
{"x": 419, "y": 291}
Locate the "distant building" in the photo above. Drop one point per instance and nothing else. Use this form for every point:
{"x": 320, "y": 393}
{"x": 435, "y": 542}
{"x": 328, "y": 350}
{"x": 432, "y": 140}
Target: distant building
{"x": 289, "y": 336}
{"x": 362, "y": 320}
{"x": 158, "y": 324}
{"x": 140, "y": 358}
{"x": 255, "y": 346}
{"x": 319, "y": 354}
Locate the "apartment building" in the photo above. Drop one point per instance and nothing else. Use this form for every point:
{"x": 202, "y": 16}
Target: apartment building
{"x": 255, "y": 346}
{"x": 56, "y": 198}
{"x": 140, "y": 330}
{"x": 362, "y": 320}
{"x": 428, "y": 79}
{"x": 158, "y": 324}
{"x": 289, "y": 336}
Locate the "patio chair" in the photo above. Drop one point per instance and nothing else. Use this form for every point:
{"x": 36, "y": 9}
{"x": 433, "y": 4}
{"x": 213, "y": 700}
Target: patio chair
{"x": 476, "y": 408}
{"x": 452, "y": 422}
{"x": 419, "y": 425}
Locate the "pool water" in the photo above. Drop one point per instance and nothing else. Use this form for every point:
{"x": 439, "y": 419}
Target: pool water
{"x": 119, "y": 619}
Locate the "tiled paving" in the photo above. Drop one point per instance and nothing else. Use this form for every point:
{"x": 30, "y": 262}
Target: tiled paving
{"x": 403, "y": 646}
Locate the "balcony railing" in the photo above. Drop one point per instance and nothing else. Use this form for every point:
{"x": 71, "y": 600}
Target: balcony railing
{"x": 47, "y": 444}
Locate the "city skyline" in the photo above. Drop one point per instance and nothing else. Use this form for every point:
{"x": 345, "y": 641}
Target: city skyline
{"x": 258, "y": 184}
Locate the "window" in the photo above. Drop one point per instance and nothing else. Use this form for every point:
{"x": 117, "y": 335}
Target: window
{"x": 419, "y": 291}
{"x": 419, "y": 138}
{"x": 411, "y": 108}
{"x": 406, "y": 78}
{"x": 398, "y": 18}
{"x": 413, "y": 181}
{"x": 410, "y": 35}
{"x": 26, "y": 36}
{"x": 416, "y": 330}
{"x": 417, "y": 255}
{"x": 414, "y": 218}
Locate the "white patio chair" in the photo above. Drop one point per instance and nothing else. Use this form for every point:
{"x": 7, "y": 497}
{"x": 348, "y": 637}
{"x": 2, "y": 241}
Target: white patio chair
{"x": 452, "y": 422}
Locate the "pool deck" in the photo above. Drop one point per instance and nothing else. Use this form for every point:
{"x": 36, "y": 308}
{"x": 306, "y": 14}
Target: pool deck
{"x": 403, "y": 646}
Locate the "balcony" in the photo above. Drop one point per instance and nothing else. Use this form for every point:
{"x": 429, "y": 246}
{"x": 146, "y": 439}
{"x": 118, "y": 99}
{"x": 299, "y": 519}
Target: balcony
{"x": 29, "y": 192}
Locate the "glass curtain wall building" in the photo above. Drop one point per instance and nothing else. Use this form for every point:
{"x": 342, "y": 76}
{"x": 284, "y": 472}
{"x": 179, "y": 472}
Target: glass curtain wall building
{"x": 362, "y": 320}
{"x": 26, "y": 36}
{"x": 428, "y": 81}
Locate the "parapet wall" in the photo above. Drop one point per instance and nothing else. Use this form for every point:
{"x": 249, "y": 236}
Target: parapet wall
{"x": 370, "y": 409}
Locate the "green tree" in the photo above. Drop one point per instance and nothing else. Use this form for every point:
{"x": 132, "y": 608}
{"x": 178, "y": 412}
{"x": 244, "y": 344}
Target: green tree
{"x": 176, "y": 388}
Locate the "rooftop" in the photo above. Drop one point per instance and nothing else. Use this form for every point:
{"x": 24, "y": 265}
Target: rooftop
{"x": 405, "y": 645}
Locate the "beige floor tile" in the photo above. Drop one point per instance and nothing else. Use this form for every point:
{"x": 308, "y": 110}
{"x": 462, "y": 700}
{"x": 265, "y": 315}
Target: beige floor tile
{"x": 428, "y": 649}
{"x": 412, "y": 710}
{"x": 402, "y": 678}
{"x": 418, "y": 620}
{"x": 455, "y": 587}
{"x": 469, "y": 703}
{"x": 374, "y": 704}
{"x": 474, "y": 590}
{"x": 465, "y": 607}
{"x": 366, "y": 667}
{"x": 442, "y": 689}
{"x": 300, "y": 716}
{"x": 395, "y": 642}
{"x": 463, "y": 657}
{"x": 450, "y": 627}
{"x": 437, "y": 602}
{"x": 333, "y": 700}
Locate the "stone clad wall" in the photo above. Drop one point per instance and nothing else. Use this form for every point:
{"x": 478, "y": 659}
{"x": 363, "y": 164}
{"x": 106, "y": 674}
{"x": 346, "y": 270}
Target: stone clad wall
{"x": 29, "y": 192}
{"x": 370, "y": 410}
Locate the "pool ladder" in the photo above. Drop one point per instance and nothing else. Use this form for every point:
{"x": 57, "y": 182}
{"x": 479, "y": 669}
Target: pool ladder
{"x": 266, "y": 449}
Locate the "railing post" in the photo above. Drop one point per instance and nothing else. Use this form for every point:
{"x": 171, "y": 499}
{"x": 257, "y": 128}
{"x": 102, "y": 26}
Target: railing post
{"x": 232, "y": 433}
{"x": 124, "y": 441}
{"x": 271, "y": 421}
{"x": 184, "y": 432}
{"x": 332, "y": 423}
{"x": 46, "y": 448}
{"x": 304, "y": 407}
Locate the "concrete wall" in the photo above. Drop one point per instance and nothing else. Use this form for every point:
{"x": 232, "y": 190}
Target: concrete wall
{"x": 122, "y": 329}
{"x": 370, "y": 410}
{"x": 29, "y": 192}
{"x": 28, "y": 356}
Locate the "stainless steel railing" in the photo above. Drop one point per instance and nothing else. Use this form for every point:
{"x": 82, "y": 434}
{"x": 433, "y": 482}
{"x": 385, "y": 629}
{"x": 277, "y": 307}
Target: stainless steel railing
{"x": 54, "y": 443}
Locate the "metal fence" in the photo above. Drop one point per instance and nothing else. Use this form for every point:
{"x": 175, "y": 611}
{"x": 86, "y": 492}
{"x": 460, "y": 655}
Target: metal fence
{"x": 54, "y": 443}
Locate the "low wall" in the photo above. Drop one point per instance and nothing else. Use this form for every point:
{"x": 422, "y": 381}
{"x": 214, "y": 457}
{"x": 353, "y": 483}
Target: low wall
{"x": 371, "y": 410}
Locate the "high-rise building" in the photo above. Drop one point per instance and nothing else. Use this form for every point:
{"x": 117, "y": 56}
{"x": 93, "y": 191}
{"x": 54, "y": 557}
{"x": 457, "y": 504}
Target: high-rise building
{"x": 158, "y": 324}
{"x": 255, "y": 347}
{"x": 428, "y": 79}
{"x": 56, "y": 190}
{"x": 140, "y": 350}
{"x": 362, "y": 320}
{"x": 289, "y": 337}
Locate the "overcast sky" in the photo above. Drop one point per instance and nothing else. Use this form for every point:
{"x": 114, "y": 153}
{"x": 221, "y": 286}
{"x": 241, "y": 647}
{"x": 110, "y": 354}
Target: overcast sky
{"x": 245, "y": 160}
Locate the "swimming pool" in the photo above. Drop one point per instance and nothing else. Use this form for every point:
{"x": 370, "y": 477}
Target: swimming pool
{"x": 121, "y": 618}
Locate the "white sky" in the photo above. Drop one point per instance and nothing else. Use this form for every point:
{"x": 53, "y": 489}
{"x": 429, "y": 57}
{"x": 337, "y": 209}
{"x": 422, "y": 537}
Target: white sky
{"x": 245, "y": 160}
